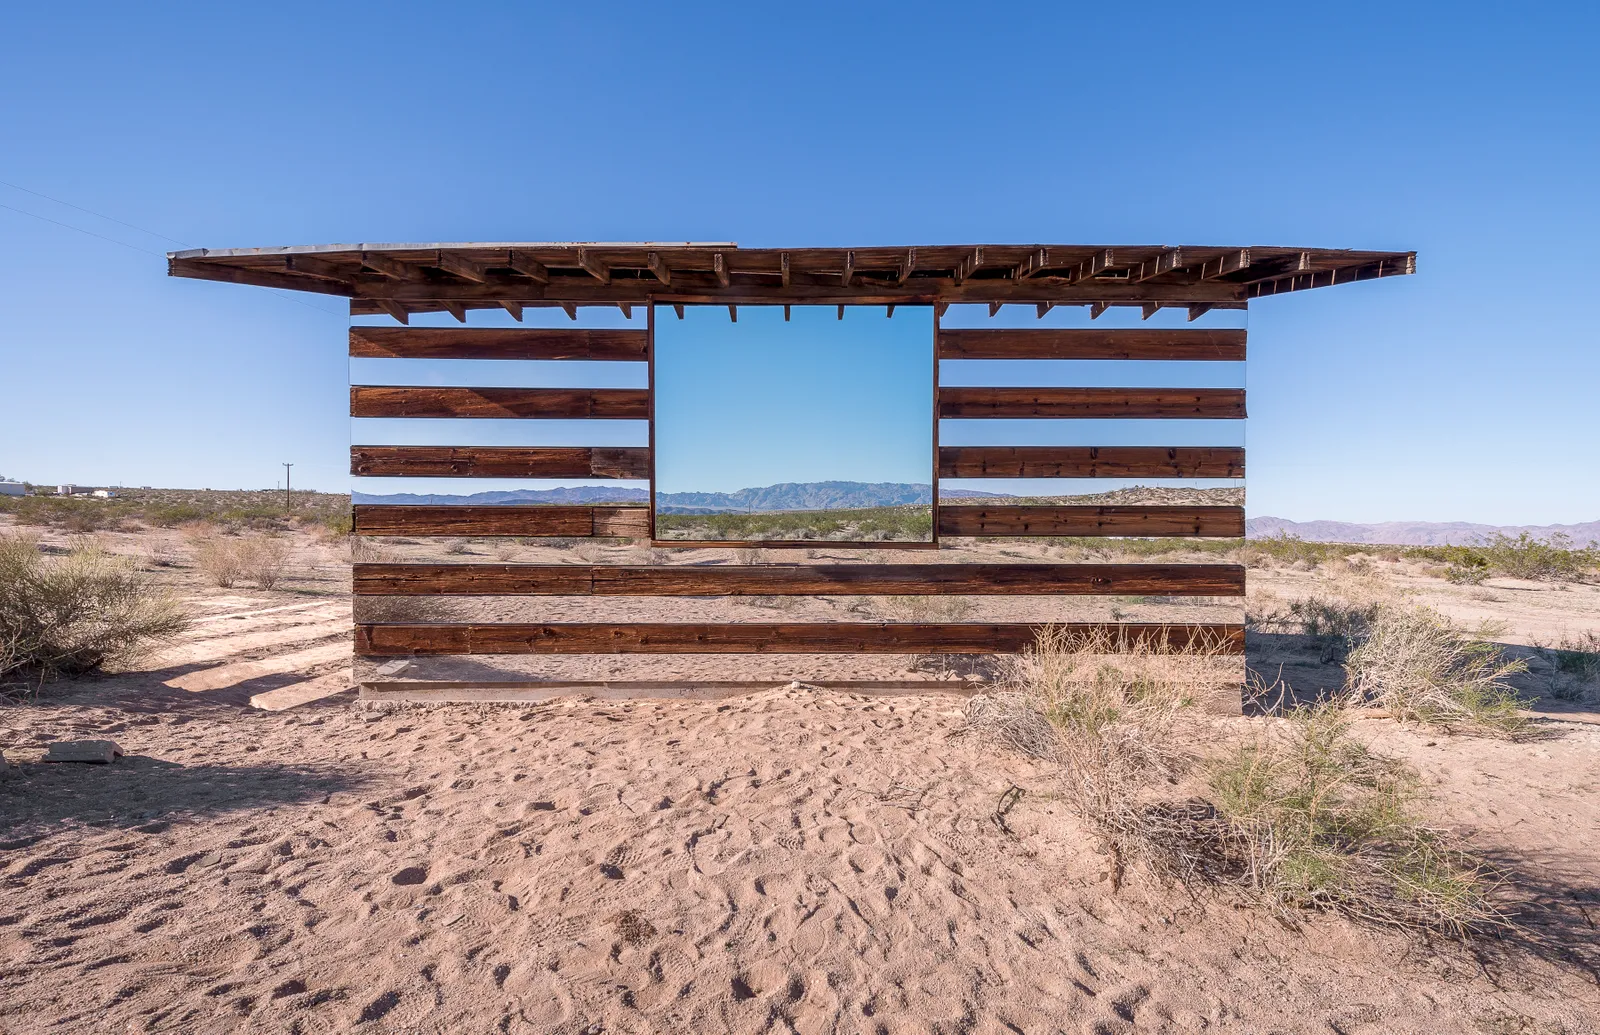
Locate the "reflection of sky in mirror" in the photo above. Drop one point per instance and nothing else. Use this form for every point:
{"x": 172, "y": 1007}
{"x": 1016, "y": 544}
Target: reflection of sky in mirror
{"x": 764, "y": 401}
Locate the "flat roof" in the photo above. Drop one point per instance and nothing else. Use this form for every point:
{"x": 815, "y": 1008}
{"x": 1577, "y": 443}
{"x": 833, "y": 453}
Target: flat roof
{"x": 400, "y": 279}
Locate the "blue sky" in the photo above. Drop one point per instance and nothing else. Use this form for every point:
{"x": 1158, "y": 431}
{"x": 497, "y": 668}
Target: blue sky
{"x": 1465, "y": 132}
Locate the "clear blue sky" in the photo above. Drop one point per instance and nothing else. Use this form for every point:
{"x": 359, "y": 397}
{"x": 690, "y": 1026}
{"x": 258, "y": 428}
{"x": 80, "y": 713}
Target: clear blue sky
{"x": 1466, "y": 132}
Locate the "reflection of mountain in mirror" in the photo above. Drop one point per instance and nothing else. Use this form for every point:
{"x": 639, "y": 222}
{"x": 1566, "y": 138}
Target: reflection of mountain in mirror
{"x": 798, "y": 426}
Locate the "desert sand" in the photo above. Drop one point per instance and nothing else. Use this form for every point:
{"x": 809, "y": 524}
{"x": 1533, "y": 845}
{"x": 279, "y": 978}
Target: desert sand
{"x": 788, "y": 859}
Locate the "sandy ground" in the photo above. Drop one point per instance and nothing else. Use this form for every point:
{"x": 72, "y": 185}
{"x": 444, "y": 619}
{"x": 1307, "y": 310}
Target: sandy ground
{"x": 788, "y": 860}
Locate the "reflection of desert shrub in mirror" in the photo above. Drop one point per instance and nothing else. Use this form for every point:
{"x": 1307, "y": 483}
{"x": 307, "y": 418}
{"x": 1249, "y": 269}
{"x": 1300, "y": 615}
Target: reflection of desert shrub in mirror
{"x": 809, "y": 427}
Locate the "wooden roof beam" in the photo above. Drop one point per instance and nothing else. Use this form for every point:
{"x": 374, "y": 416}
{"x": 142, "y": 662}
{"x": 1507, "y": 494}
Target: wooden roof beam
{"x": 783, "y": 271}
{"x": 391, "y": 268}
{"x": 394, "y": 309}
{"x": 1045, "y": 307}
{"x": 1197, "y": 311}
{"x": 1166, "y": 262}
{"x": 1037, "y": 260}
{"x": 514, "y": 308}
{"x": 1149, "y": 309}
{"x": 570, "y": 309}
{"x": 595, "y": 268}
{"x": 849, "y": 268}
{"x": 658, "y": 266}
{"x": 463, "y": 267}
{"x": 317, "y": 268}
{"x": 906, "y": 268}
{"x": 457, "y": 310}
{"x": 968, "y": 265}
{"x": 1232, "y": 262}
{"x": 1097, "y": 308}
{"x": 529, "y": 267}
{"x": 1094, "y": 265}
{"x": 719, "y": 266}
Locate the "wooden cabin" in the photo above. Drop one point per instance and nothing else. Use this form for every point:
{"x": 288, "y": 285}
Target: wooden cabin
{"x": 404, "y": 653}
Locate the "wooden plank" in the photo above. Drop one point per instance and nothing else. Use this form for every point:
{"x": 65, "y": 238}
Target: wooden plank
{"x": 1032, "y": 520}
{"x": 500, "y": 461}
{"x": 1204, "y": 403}
{"x": 497, "y": 343}
{"x": 1138, "y": 343}
{"x": 1091, "y": 462}
{"x": 541, "y": 520}
{"x": 797, "y": 579}
{"x": 534, "y": 403}
{"x": 392, "y": 639}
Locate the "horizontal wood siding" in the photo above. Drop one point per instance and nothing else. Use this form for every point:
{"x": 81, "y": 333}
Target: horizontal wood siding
{"x": 798, "y": 579}
{"x": 1092, "y": 344}
{"x": 1213, "y": 403}
{"x": 383, "y": 519}
{"x": 497, "y": 343}
{"x": 1216, "y": 522}
{"x": 1090, "y": 462}
{"x": 378, "y": 640}
{"x": 538, "y": 403}
{"x": 500, "y": 461}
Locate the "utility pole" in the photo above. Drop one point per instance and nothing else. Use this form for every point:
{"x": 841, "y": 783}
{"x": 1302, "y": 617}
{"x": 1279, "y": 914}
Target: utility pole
{"x": 286, "y": 487}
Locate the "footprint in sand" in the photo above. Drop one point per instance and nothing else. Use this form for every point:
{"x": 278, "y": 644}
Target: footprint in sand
{"x": 409, "y": 876}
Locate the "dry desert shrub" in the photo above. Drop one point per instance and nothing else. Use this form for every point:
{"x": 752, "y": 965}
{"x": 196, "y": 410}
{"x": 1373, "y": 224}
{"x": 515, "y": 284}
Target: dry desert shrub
{"x": 925, "y": 609}
{"x": 69, "y": 614}
{"x": 1300, "y": 817}
{"x": 1419, "y": 667}
{"x": 1307, "y": 818}
{"x": 261, "y": 559}
{"x": 1108, "y": 711}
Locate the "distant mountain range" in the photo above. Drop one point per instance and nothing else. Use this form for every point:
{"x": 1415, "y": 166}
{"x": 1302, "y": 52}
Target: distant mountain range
{"x": 766, "y": 499}
{"x": 1413, "y": 533}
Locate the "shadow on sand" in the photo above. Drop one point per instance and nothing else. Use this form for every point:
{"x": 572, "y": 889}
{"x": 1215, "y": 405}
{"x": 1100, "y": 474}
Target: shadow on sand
{"x": 141, "y": 792}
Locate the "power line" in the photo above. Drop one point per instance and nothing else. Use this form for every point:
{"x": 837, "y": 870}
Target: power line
{"x": 134, "y": 247}
{"x": 100, "y": 215}
{"x": 81, "y": 230}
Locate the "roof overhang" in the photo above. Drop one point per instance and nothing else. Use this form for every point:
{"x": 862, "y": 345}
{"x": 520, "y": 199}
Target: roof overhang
{"x": 400, "y": 279}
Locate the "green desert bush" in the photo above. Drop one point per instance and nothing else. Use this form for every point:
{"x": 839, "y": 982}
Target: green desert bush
{"x": 1419, "y": 667}
{"x": 1311, "y": 819}
{"x": 1301, "y": 817}
{"x": 1551, "y": 559}
{"x": 1107, "y": 711}
{"x": 72, "y": 613}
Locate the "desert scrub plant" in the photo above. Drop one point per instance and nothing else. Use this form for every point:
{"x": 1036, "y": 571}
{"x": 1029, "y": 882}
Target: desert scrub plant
{"x": 1419, "y": 667}
{"x": 1107, "y": 710}
{"x": 263, "y": 559}
{"x": 219, "y": 558}
{"x": 1310, "y": 819}
{"x": 72, "y": 613}
{"x": 1551, "y": 559}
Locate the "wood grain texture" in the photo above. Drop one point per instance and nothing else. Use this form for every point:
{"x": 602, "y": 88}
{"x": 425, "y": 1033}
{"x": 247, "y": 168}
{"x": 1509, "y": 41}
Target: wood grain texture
{"x": 1198, "y": 403}
{"x": 382, "y": 519}
{"x": 1137, "y": 343}
{"x": 1034, "y": 520}
{"x": 1091, "y": 462}
{"x": 378, "y": 640}
{"x": 1204, "y": 580}
{"x": 500, "y": 461}
{"x": 497, "y": 343}
{"x": 534, "y": 403}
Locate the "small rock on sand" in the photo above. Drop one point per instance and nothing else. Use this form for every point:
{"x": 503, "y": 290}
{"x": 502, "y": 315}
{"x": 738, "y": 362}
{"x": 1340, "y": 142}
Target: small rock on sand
{"x": 102, "y": 752}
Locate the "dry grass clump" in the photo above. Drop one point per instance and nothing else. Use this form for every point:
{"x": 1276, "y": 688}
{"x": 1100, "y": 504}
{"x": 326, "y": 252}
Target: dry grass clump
{"x": 1415, "y": 664}
{"x": 261, "y": 559}
{"x": 69, "y": 614}
{"x": 924, "y": 609}
{"x": 1303, "y": 817}
{"x": 1108, "y": 711}
{"x": 1308, "y": 818}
